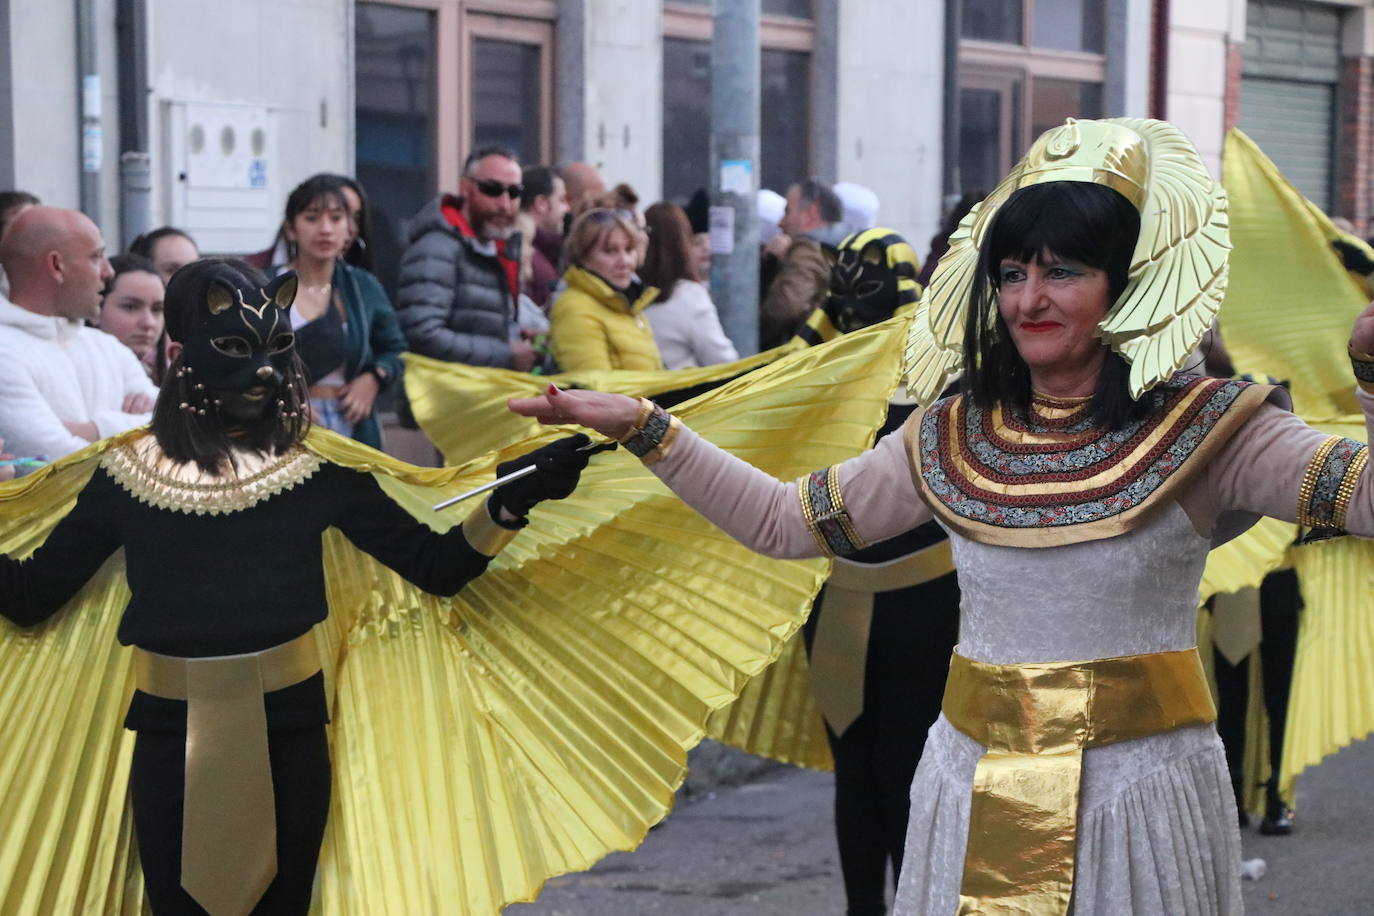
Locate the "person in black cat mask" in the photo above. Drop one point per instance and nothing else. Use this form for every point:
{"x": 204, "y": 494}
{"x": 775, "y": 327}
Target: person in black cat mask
{"x": 221, "y": 510}
{"x": 873, "y": 276}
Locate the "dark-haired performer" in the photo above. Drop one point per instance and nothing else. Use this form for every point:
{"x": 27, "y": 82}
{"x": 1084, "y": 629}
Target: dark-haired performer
{"x": 220, "y": 510}
{"x": 1082, "y": 482}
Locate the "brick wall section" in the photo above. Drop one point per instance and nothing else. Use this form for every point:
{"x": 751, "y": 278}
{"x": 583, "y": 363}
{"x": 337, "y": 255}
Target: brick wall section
{"x": 1231, "y": 101}
{"x": 1355, "y": 143}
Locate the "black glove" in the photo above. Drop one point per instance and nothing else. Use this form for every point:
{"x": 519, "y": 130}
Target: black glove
{"x": 1352, "y": 258}
{"x": 559, "y": 465}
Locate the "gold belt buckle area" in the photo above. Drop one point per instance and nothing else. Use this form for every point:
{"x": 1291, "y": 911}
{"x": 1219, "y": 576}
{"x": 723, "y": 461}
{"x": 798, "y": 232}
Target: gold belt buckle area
{"x": 1035, "y": 721}
{"x": 279, "y": 667}
{"x": 229, "y": 824}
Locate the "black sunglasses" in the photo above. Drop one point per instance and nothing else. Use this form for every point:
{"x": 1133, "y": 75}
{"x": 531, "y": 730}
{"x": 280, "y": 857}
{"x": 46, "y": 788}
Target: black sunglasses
{"x": 493, "y": 188}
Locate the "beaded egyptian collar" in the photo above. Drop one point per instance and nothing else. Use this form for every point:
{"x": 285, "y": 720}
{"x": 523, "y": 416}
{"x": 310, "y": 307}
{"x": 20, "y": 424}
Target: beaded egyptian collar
{"x": 1053, "y": 478}
{"x": 140, "y": 467}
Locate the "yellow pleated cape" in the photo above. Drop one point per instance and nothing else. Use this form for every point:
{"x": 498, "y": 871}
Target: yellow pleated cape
{"x": 462, "y": 409}
{"x": 1287, "y": 314}
{"x": 481, "y": 744}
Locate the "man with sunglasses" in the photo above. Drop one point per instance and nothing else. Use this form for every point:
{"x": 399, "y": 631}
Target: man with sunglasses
{"x": 458, "y": 289}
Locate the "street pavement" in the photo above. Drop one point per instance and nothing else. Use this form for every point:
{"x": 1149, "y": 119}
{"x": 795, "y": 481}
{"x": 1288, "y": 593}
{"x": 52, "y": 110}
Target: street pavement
{"x": 767, "y": 849}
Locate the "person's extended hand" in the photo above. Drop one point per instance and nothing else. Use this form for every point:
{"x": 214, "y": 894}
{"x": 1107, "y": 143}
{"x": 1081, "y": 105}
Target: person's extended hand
{"x": 357, "y": 397}
{"x": 778, "y": 245}
{"x": 524, "y": 355}
{"x": 87, "y": 431}
{"x": 1362, "y": 335}
{"x": 559, "y": 465}
{"x": 609, "y": 414}
{"x": 137, "y": 402}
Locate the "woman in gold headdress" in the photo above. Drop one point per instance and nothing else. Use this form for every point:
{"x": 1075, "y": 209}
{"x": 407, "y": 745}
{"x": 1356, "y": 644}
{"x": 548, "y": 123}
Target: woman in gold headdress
{"x": 1082, "y": 481}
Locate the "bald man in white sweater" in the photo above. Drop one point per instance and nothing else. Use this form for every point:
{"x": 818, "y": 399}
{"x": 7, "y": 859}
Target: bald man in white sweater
{"x": 62, "y": 384}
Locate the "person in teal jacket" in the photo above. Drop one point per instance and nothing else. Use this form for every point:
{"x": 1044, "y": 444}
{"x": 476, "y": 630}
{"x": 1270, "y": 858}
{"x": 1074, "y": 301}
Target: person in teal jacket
{"x": 346, "y": 330}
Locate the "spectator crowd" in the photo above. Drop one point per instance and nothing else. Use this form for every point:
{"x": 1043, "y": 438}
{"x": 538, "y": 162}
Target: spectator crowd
{"x": 528, "y": 268}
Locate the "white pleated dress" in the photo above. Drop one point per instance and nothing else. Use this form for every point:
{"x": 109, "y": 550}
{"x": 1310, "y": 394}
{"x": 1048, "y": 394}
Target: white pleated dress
{"x": 1157, "y": 824}
{"x": 1157, "y": 818}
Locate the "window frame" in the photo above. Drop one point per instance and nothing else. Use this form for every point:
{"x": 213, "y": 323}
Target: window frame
{"x": 695, "y": 22}
{"x": 456, "y": 24}
{"x": 980, "y": 60}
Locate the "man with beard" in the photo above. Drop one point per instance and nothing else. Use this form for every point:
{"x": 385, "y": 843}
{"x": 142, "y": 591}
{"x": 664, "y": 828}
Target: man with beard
{"x": 62, "y": 384}
{"x": 456, "y": 297}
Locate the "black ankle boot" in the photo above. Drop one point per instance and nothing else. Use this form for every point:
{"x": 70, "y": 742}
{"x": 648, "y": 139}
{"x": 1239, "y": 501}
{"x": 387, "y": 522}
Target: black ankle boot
{"x": 1278, "y": 817}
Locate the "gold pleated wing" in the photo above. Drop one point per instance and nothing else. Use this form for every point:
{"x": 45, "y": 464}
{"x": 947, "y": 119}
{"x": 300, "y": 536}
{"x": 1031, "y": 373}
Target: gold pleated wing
{"x": 1289, "y": 308}
{"x": 1331, "y": 703}
{"x": 1178, "y": 271}
{"x": 481, "y": 744}
{"x": 462, "y": 409}
{"x": 776, "y": 715}
{"x": 1291, "y": 301}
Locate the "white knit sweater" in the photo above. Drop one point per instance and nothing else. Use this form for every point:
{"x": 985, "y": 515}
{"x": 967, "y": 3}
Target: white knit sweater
{"x": 52, "y": 371}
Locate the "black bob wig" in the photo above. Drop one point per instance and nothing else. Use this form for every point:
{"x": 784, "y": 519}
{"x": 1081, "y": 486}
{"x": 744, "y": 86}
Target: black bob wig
{"x": 1079, "y": 221}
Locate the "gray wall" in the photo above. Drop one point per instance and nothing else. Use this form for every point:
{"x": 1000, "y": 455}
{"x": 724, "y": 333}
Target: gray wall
{"x": 889, "y": 111}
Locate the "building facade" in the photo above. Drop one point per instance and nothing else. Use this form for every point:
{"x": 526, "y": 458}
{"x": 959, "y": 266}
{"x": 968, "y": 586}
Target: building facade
{"x": 234, "y": 103}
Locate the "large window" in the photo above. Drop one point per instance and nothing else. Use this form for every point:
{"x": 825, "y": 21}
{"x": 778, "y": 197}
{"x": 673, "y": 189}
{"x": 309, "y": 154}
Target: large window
{"x": 436, "y": 79}
{"x": 394, "y": 121}
{"x": 1024, "y": 66}
{"x": 786, "y": 36}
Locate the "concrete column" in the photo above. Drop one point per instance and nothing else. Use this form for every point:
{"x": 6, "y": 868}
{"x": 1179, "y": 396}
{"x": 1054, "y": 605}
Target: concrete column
{"x": 735, "y": 90}
{"x": 571, "y": 59}
{"x": 890, "y": 141}
{"x": 1126, "y": 86}
{"x": 825, "y": 89}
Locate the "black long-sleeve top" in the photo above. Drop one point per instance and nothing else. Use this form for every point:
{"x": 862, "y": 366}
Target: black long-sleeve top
{"x": 230, "y": 583}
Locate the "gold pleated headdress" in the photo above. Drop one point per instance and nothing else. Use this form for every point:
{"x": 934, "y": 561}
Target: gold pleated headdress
{"x": 1177, "y": 275}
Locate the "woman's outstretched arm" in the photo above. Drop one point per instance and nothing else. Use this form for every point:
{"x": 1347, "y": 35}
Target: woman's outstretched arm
{"x": 34, "y": 589}
{"x": 831, "y": 511}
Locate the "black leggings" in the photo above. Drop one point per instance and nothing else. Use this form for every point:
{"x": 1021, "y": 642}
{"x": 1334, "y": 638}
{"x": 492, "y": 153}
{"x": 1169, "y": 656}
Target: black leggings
{"x": 1280, "y": 603}
{"x": 910, "y": 640}
{"x": 301, "y": 783}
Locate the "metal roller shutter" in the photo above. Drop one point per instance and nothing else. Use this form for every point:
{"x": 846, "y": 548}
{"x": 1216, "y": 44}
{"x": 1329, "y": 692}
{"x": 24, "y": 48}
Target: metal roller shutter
{"x": 1290, "y": 69}
{"x": 1292, "y": 122}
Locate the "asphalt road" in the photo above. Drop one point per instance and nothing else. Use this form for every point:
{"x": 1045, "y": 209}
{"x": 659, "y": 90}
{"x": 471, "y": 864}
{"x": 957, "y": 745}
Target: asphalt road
{"x": 767, "y": 849}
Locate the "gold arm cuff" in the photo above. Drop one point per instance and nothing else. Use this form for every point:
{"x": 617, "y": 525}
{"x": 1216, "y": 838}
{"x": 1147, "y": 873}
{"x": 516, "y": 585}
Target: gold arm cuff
{"x": 660, "y": 451}
{"x": 653, "y": 434}
{"x": 229, "y": 825}
{"x": 1347, "y": 488}
{"x": 646, "y": 409}
{"x": 1329, "y": 482}
{"x": 483, "y": 534}
{"x": 1035, "y": 721}
{"x": 826, "y": 516}
{"x": 1363, "y": 366}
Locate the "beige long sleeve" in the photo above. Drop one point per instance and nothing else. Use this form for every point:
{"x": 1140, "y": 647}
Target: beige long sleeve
{"x": 1261, "y": 471}
{"x": 765, "y": 514}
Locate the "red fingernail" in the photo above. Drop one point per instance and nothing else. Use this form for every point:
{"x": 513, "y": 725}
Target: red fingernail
{"x": 553, "y": 389}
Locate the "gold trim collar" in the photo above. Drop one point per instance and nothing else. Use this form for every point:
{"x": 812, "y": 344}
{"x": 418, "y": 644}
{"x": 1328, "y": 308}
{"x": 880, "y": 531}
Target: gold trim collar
{"x": 151, "y": 477}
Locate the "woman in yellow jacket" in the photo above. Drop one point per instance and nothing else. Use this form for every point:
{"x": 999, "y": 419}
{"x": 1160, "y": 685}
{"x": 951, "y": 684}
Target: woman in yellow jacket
{"x": 598, "y": 322}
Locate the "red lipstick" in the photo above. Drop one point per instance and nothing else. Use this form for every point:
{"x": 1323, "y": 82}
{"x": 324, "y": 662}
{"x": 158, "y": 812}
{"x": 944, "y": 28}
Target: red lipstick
{"x": 1036, "y": 327}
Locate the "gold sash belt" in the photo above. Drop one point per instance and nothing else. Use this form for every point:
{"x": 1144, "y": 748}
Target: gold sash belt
{"x": 839, "y": 651}
{"x": 229, "y": 827}
{"x": 1035, "y": 720}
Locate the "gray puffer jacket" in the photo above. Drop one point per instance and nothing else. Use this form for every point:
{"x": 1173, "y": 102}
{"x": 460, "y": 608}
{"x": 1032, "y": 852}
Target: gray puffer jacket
{"x": 453, "y": 301}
